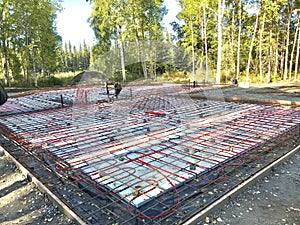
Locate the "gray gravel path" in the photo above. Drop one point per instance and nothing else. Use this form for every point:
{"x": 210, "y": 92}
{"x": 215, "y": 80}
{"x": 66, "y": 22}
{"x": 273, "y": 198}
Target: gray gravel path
{"x": 288, "y": 94}
{"x": 273, "y": 200}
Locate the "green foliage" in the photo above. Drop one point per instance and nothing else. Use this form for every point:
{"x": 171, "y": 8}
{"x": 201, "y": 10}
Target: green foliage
{"x": 73, "y": 59}
{"x": 117, "y": 23}
{"x": 176, "y": 76}
{"x": 51, "y": 81}
{"x": 30, "y": 47}
{"x": 254, "y": 78}
{"x": 28, "y": 38}
{"x": 19, "y": 81}
{"x": 273, "y": 39}
{"x": 135, "y": 72}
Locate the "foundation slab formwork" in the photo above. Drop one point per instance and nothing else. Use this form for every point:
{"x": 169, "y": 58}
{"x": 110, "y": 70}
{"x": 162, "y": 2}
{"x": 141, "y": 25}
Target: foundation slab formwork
{"x": 146, "y": 153}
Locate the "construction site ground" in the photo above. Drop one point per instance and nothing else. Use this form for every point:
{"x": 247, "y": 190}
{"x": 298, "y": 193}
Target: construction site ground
{"x": 277, "y": 93}
{"x": 21, "y": 202}
{"x": 274, "y": 199}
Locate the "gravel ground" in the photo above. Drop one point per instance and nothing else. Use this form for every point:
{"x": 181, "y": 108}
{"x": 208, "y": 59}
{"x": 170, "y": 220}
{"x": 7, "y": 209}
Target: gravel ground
{"x": 22, "y": 203}
{"x": 272, "y": 93}
{"x": 273, "y": 200}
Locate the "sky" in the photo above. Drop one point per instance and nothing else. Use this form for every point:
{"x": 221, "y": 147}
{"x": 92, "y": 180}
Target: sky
{"x": 72, "y": 21}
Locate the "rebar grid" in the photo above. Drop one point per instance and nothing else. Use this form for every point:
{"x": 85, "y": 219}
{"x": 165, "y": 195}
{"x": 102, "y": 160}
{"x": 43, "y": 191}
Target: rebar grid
{"x": 142, "y": 160}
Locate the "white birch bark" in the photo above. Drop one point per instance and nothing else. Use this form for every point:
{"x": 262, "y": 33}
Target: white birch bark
{"x": 239, "y": 42}
{"x": 219, "y": 59}
{"x": 205, "y": 45}
{"x": 297, "y": 55}
{"x": 251, "y": 47}
{"x": 292, "y": 55}
{"x": 287, "y": 50}
{"x": 260, "y": 49}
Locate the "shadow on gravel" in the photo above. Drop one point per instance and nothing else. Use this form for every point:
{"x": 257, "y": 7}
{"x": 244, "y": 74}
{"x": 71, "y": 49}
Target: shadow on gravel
{"x": 16, "y": 185}
{"x": 6, "y": 170}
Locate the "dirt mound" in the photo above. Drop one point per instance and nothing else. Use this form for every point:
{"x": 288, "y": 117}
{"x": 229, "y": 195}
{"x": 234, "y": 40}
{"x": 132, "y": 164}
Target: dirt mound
{"x": 88, "y": 78}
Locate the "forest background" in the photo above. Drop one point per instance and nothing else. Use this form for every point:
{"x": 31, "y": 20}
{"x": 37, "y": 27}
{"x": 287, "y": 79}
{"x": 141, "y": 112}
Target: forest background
{"x": 256, "y": 41}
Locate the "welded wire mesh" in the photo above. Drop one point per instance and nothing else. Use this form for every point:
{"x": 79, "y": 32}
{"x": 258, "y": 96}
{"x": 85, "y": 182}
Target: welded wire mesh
{"x": 148, "y": 157}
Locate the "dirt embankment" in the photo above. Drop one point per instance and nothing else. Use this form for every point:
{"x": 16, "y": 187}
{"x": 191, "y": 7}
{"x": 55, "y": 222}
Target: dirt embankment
{"x": 22, "y": 203}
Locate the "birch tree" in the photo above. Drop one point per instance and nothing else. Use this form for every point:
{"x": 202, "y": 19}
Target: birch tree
{"x": 289, "y": 13}
{"x": 298, "y": 49}
{"x": 28, "y": 38}
{"x": 251, "y": 46}
{"x": 199, "y": 18}
{"x": 238, "y": 57}
{"x": 119, "y": 22}
{"x": 261, "y": 49}
{"x": 221, "y": 6}
{"x": 292, "y": 54}
{"x": 205, "y": 43}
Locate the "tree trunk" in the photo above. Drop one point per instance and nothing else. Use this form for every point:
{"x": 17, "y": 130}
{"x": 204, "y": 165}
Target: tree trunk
{"x": 144, "y": 63}
{"x": 251, "y": 47}
{"x": 260, "y": 49}
{"x": 5, "y": 63}
{"x": 270, "y": 58}
{"x": 297, "y": 55}
{"x": 205, "y": 45}
{"x": 281, "y": 64}
{"x": 292, "y": 55}
{"x": 122, "y": 60}
{"x": 239, "y": 42}
{"x": 193, "y": 51}
{"x": 153, "y": 55}
{"x": 5, "y": 71}
{"x": 219, "y": 60}
{"x": 138, "y": 49}
{"x": 141, "y": 53}
{"x": 232, "y": 49}
{"x": 287, "y": 49}
{"x": 154, "y": 70}
{"x": 151, "y": 61}
{"x": 24, "y": 73}
{"x": 34, "y": 68}
{"x": 143, "y": 56}
{"x": 276, "y": 57}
